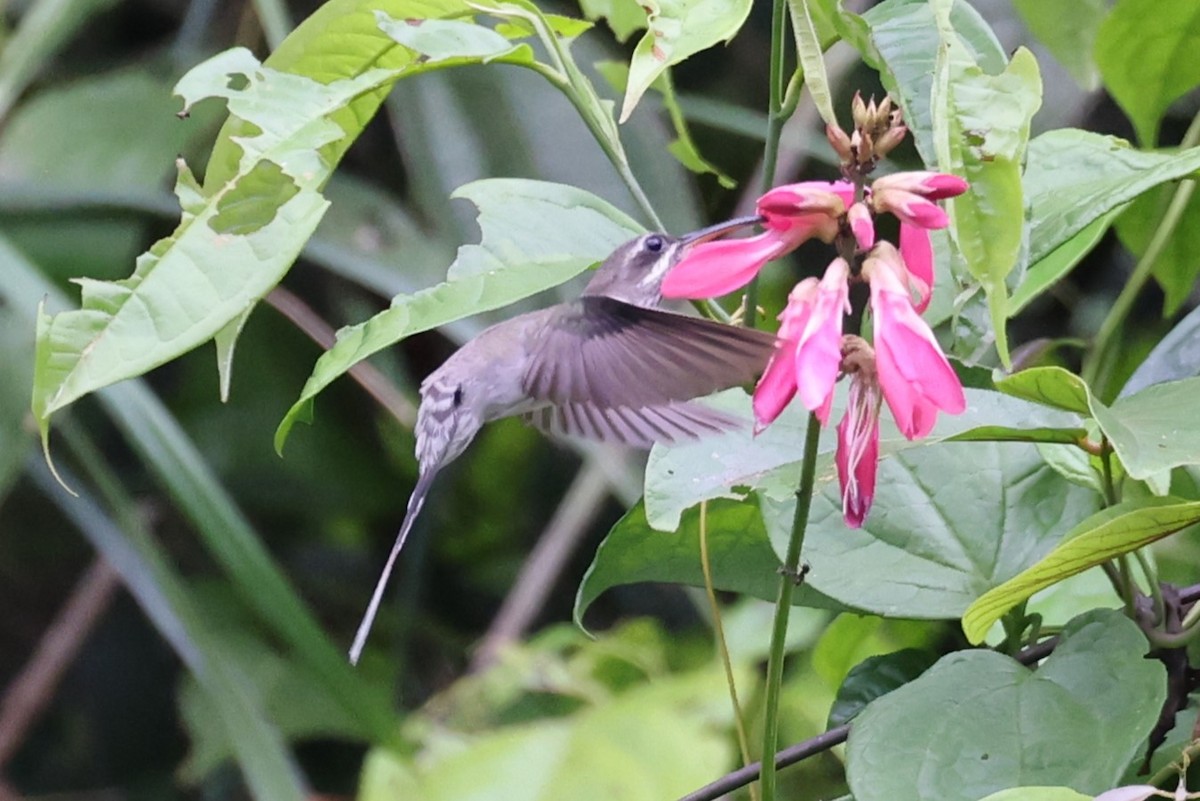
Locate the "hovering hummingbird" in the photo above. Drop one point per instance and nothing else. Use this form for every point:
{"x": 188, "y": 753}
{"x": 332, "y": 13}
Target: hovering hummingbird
{"x": 610, "y": 366}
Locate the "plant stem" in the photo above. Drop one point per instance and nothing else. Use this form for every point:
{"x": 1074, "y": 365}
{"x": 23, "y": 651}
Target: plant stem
{"x": 722, "y": 648}
{"x": 1099, "y": 367}
{"x": 775, "y": 120}
{"x": 788, "y": 581}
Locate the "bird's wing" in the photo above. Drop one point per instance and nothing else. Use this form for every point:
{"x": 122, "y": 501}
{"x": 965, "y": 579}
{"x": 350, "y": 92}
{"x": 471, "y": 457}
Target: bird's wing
{"x": 611, "y": 354}
{"x": 639, "y": 428}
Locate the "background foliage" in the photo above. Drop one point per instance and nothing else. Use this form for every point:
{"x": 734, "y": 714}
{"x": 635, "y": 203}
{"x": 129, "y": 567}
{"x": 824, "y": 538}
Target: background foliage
{"x": 177, "y": 628}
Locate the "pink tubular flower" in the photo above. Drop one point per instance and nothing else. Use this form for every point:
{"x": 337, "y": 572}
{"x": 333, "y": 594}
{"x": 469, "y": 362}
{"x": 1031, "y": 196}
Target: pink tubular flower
{"x": 857, "y": 455}
{"x": 917, "y": 253}
{"x": 1134, "y": 792}
{"x": 915, "y": 377}
{"x": 929, "y": 185}
{"x": 792, "y": 215}
{"x": 810, "y": 352}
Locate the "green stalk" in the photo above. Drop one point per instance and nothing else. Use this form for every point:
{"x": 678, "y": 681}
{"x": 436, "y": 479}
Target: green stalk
{"x": 1098, "y": 368}
{"x": 788, "y": 581}
{"x": 775, "y": 120}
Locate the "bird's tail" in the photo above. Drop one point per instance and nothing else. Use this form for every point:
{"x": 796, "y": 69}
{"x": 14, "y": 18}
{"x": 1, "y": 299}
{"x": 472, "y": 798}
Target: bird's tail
{"x": 415, "y": 502}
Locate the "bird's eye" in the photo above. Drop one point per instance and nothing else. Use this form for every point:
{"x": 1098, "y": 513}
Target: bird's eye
{"x": 654, "y": 243}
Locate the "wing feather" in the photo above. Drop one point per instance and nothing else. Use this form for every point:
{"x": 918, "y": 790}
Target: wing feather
{"x": 608, "y": 353}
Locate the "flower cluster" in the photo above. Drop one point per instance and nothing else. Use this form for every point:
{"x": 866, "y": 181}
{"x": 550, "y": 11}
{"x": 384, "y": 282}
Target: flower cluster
{"x": 903, "y": 365}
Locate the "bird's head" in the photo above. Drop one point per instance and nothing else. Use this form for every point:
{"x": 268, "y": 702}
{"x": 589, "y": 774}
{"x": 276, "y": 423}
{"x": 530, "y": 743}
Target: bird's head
{"x": 634, "y": 272}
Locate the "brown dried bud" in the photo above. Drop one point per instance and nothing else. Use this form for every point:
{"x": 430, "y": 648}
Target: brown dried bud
{"x": 857, "y": 356}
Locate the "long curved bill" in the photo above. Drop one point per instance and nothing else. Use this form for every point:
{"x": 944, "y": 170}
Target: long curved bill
{"x": 719, "y": 230}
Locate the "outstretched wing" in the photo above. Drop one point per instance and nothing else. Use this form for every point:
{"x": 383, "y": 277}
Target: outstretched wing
{"x": 607, "y": 354}
{"x": 639, "y": 428}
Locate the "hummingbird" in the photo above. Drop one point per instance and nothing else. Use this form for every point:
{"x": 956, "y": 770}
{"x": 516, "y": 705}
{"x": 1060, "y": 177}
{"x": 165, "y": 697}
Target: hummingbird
{"x": 611, "y": 366}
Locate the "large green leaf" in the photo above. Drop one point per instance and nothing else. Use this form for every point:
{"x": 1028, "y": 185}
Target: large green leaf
{"x": 740, "y": 554}
{"x": 260, "y": 202}
{"x": 231, "y": 247}
{"x": 1058, "y": 262}
{"x": 1074, "y": 177}
{"x": 534, "y": 236}
{"x": 981, "y": 129}
{"x": 1076, "y": 722}
{"x": 1146, "y": 53}
{"x": 728, "y": 465}
{"x": 656, "y": 741}
{"x": 949, "y": 522}
{"x": 899, "y": 38}
{"x": 678, "y": 29}
{"x": 1151, "y": 430}
{"x": 1101, "y": 537}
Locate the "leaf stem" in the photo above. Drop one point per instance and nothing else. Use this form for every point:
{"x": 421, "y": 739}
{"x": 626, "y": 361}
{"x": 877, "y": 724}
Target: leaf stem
{"x": 722, "y": 647}
{"x": 1098, "y": 369}
{"x": 789, "y": 579}
{"x": 1106, "y": 473}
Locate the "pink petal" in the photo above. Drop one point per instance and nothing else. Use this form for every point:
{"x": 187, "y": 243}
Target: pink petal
{"x": 862, "y": 225}
{"x": 807, "y": 197}
{"x": 776, "y": 388}
{"x": 931, "y": 185}
{"x": 917, "y": 253}
{"x": 819, "y": 350}
{"x": 910, "y": 208}
{"x": 857, "y": 454}
{"x": 712, "y": 269}
{"x": 913, "y": 372}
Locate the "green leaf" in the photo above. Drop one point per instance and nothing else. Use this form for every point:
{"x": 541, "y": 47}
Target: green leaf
{"x": 1068, "y": 436}
{"x": 535, "y": 235}
{"x": 1037, "y": 794}
{"x": 1176, "y": 356}
{"x": 808, "y": 50}
{"x": 900, "y": 40}
{"x": 740, "y": 554}
{"x": 1049, "y": 386}
{"x": 875, "y": 677}
{"x": 678, "y": 29}
{"x": 1101, "y": 537}
{"x": 1074, "y": 177}
{"x": 981, "y": 130}
{"x": 1145, "y": 50}
{"x": 1059, "y": 261}
{"x": 659, "y": 740}
{"x": 1076, "y": 721}
{"x": 1068, "y": 30}
{"x": 192, "y": 284}
{"x": 681, "y": 476}
{"x": 1154, "y": 429}
{"x": 1151, "y": 430}
{"x": 438, "y": 40}
{"x": 624, "y": 16}
{"x": 949, "y": 522}
{"x": 1176, "y": 267}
